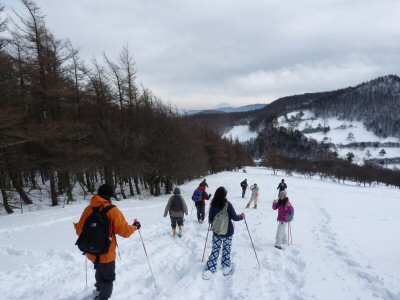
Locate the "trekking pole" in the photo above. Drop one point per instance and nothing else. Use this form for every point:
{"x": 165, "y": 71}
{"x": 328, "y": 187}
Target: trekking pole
{"x": 147, "y": 257}
{"x": 86, "y": 269}
{"x": 204, "y": 251}
{"x": 252, "y": 243}
{"x": 290, "y": 237}
{"x": 191, "y": 211}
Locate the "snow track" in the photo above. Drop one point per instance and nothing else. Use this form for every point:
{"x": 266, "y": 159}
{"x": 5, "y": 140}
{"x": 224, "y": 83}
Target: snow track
{"x": 337, "y": 252}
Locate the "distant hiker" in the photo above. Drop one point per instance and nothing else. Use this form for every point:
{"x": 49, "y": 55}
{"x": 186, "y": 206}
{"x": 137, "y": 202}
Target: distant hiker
{"x": 285, "y": 214}
{"x": 244, "y": 185}
{"x": 204, "y": 183}
{"x": 199, "y": 197}
{"x": 220, "y": 218}
{"x": 102, "y": 214}
{"x": 254, "y": 196}
{"x": 176, "y": 207}
{"x": 282, "y": 186}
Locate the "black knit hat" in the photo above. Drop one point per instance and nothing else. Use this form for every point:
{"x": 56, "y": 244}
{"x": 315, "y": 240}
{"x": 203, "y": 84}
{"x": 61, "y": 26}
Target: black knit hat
{"x": 106, "y": 190}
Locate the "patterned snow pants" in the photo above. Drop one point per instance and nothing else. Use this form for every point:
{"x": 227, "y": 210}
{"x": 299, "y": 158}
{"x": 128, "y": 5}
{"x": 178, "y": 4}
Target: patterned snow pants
{"x": 226, "y": 243}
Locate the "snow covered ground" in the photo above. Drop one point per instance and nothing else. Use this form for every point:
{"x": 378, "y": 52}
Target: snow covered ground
{"x": 241, "y": 132}
{"x": 343, "y": 132}
{"x": 345, "y": 246}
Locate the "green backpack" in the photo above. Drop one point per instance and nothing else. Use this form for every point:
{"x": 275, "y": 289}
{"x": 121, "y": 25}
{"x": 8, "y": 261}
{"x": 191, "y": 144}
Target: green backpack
{"x": 221, "y": 221}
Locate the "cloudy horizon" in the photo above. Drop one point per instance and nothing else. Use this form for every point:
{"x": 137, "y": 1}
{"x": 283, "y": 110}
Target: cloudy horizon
{"x": 197, "y": 54}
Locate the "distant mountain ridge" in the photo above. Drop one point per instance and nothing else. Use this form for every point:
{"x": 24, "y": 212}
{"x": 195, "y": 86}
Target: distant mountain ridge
{"x": 227, "y": 109}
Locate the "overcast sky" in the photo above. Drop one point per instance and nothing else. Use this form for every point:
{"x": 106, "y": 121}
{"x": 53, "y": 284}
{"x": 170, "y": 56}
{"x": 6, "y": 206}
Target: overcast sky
{"x": 197, "y": 54}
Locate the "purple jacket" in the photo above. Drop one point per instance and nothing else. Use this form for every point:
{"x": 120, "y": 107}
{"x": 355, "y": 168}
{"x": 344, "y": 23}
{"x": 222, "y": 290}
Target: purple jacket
{"x": 283, "y": 210}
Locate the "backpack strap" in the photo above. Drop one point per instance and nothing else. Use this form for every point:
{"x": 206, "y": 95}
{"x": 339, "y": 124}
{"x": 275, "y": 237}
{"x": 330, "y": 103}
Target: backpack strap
{"x": 108, "y": 208}
{"x": 103, "y": 211}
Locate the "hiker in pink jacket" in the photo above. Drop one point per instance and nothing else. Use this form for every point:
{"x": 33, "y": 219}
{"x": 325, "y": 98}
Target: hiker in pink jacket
{"x": 285, "y": 215}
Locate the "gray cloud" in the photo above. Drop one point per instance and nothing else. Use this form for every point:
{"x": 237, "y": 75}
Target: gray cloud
{"x": 199, "y": 53}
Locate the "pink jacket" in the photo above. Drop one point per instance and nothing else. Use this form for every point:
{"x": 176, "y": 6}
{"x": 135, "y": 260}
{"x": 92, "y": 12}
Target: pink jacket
{"x": 283, "y": 210}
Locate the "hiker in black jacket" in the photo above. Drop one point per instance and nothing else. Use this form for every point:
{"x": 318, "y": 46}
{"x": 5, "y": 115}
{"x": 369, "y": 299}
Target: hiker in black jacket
{"x": 282, "y": 186}
{"x": 244, "y": 185}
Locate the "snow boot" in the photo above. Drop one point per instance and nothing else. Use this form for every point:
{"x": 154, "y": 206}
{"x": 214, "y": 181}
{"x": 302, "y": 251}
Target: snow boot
{"x": 173, "y": 231}
{"x": 248, "y": 205}
{"x": 227, "y": 270}
{"x": 180, "y": 231}
{"x": 255, "y": 205}
{"x": 96, "y": 293}
{"x": 207, "y": 274}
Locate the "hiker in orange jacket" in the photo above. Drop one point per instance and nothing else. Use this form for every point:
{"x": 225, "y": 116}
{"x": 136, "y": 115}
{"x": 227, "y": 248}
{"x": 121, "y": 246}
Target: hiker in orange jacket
{"x": 105, "y": 268}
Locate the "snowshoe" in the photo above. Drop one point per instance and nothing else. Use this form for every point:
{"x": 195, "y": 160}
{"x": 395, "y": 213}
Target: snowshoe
{"x": 279, "y": 247}
{"x": 207, "y": 274}
{"x": 228, "y": 270}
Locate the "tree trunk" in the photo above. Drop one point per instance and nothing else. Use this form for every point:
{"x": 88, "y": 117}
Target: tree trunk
{"x": 33, "y": 179}
{"x": 60, "y": 186}
{"x": 68, "y": 187}
{"x": 17, "y": 184}
{"x": 53, "y": 192}
{"x": 121, "y": 185}
{"x": 7, "y": 206}
{"x": 132, "y": 193}
{"x": 136, "y": 180}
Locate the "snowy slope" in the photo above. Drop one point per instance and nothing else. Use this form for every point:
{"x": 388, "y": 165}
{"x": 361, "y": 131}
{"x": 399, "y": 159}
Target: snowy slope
{"x": 339, "y": 135}
{"x": 345, "y": 246}
{"x": 240, "y": 132}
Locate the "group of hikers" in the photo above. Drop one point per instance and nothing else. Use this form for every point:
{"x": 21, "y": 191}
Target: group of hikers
{"x": 101, "y": 212}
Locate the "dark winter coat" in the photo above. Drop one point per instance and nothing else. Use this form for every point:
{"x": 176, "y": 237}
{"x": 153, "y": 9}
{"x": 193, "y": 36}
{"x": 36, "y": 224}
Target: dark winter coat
{"x": 204, "y": 195}
{"x": 282, "y": 186}
{"x": 176, "y": 207}
{"x": 232, "y": 216}
{"x": 244, "y": 184}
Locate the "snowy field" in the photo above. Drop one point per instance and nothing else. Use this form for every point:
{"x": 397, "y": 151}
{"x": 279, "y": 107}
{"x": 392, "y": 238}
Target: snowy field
{"x": 241, "y": 132}
{"x": 343, "y": 132}
{"x": 345, "y": 246}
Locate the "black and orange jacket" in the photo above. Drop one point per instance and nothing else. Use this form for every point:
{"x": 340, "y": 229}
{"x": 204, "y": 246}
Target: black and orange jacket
{"x": 118, "y": 225}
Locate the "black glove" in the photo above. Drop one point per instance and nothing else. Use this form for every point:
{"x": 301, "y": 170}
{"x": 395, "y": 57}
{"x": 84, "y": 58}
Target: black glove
{"x": 209, "y": 195}
{"x": 137, "y": 224}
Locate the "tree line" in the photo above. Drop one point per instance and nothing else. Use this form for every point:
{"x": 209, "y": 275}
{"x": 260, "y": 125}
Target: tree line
{"x": 66, "y": 123}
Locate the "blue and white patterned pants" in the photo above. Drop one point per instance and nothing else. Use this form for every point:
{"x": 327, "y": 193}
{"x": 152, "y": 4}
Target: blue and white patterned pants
{"x": 226, "y": 243}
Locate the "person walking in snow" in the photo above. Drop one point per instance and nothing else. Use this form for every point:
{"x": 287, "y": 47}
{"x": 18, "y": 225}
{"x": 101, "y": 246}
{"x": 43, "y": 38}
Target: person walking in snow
{"x": 176, "y": 207}
{"x": 218, "y": 204}
{"x": 105, "y": 263}
{"x": 244, "y": 185}
{"x": 199, "y": 197}
{"x": 282, "y": 186}
{"x": 285, "y": 210}
{"x": 204, "y": 183}
{"x": 254, "y": 196}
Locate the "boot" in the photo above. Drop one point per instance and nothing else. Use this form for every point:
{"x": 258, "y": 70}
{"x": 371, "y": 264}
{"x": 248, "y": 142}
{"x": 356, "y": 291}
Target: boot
{"x": 180, "y": 231}
{"x": 255, "y": 205}
{"x": 248, "y": 205}
{"x": 173, "y": 231}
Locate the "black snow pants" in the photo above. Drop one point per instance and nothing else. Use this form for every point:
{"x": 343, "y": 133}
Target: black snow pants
{"x": 105, "y": 275}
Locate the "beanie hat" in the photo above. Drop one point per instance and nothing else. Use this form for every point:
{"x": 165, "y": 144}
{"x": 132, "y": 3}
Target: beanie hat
{"x": 106, "y": 190}
{"x": 282, "y": 194}
{"x": 177, "y": 191}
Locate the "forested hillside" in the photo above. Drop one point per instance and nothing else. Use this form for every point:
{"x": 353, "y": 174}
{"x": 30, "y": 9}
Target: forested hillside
{"x": 64, "y": 122}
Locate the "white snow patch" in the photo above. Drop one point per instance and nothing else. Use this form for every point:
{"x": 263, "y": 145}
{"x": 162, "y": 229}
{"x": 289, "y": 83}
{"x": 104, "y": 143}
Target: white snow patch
{"x": 241, "y": 132}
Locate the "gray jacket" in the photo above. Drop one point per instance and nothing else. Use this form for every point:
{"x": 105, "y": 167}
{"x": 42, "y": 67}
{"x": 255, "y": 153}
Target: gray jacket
{"x": 176, "y": 207}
